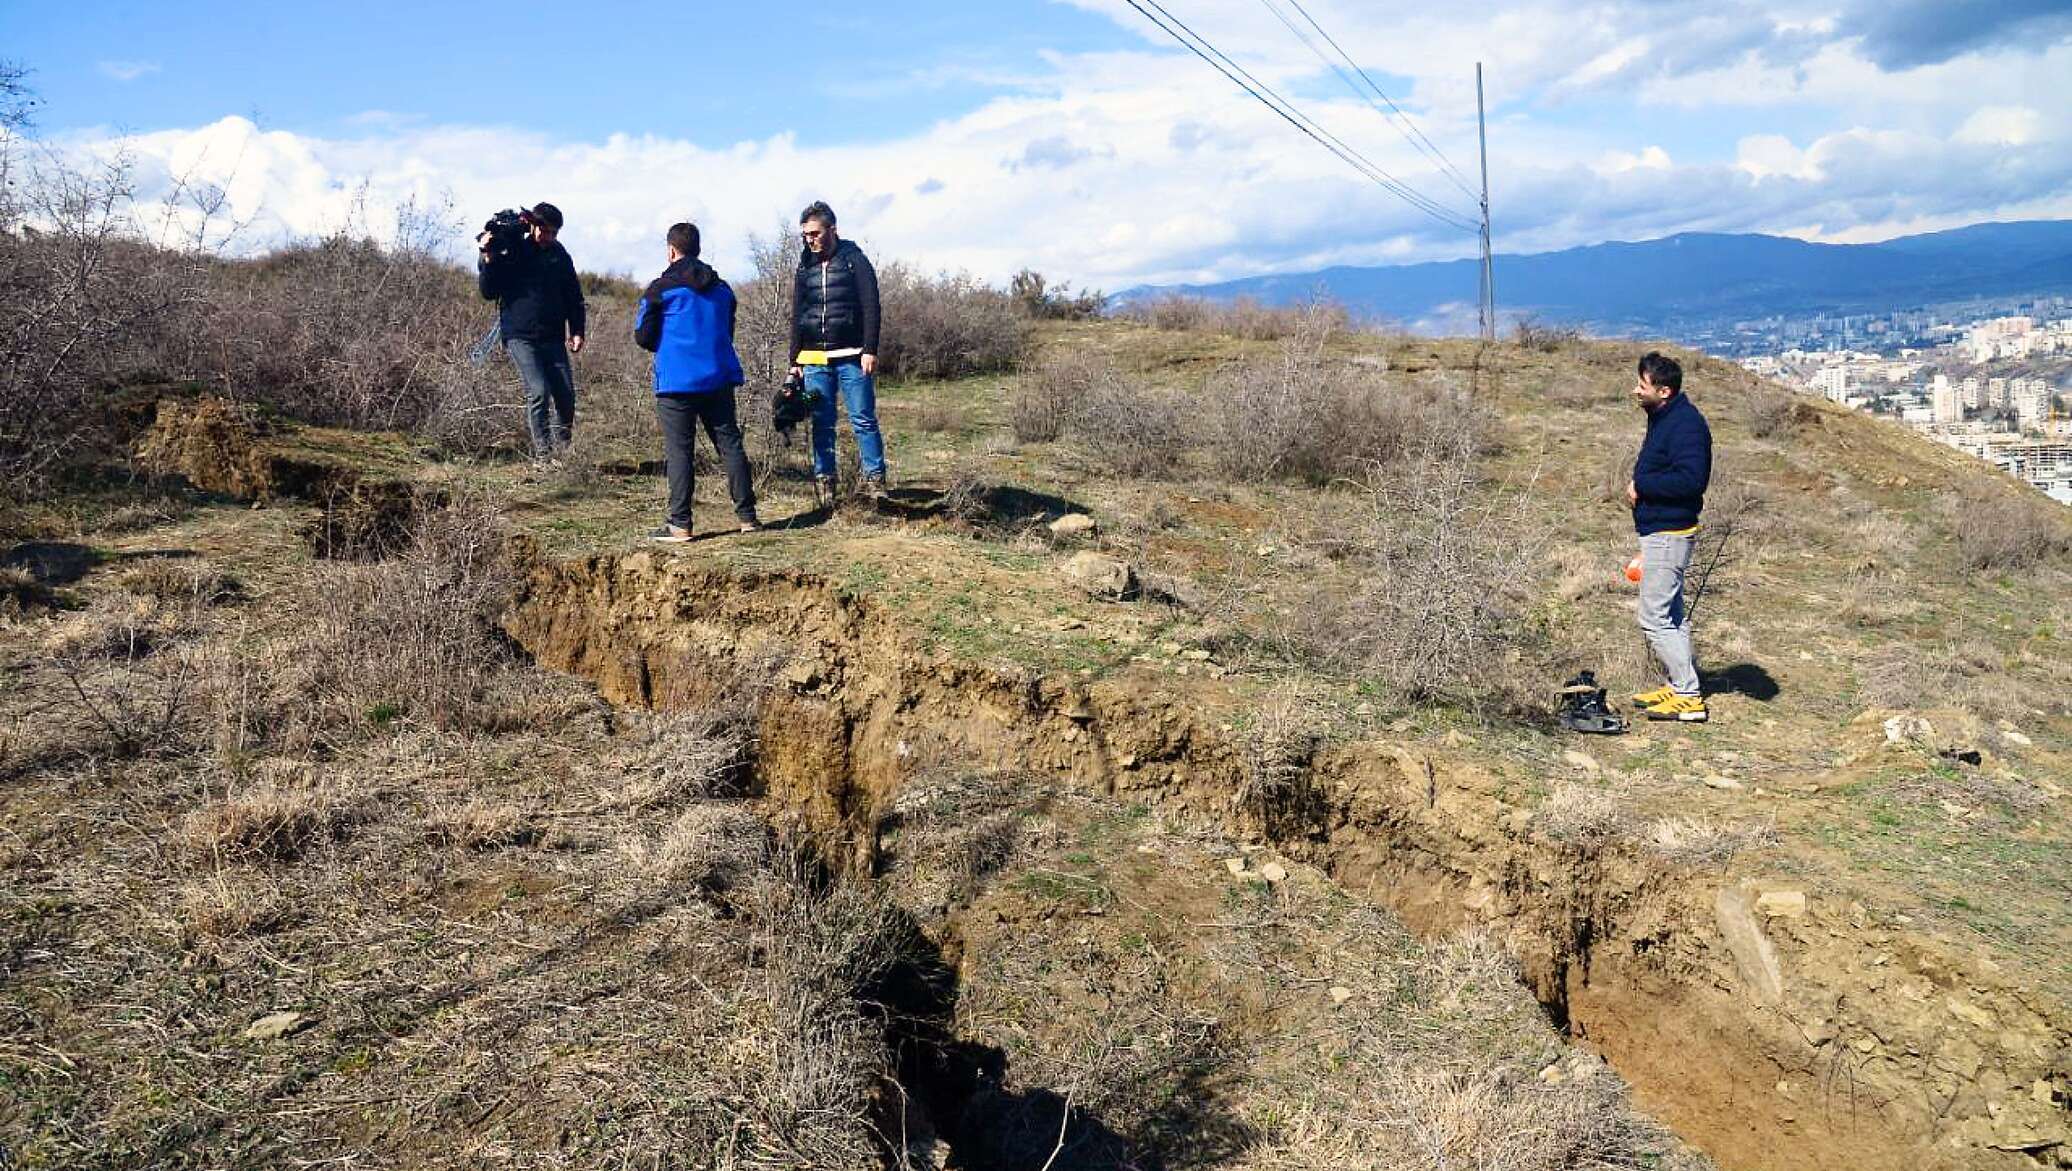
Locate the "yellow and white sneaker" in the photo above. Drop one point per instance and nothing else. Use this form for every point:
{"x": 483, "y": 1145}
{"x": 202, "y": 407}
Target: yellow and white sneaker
{"x": 1651, "y": 698}
{"x": 1689, "y": 709}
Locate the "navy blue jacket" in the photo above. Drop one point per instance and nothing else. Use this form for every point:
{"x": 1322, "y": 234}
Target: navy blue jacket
{"x": 1673, "y": 469}
{"x": 538, "y": 295}
{"x": 834, "y": 306}
{"x": 686, "y": 320}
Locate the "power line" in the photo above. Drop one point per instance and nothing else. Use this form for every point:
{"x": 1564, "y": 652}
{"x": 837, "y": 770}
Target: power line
{"x": 1393, "y": 114}
{"x": 1265, "y": 95}
{"x": 1417, "y": 137}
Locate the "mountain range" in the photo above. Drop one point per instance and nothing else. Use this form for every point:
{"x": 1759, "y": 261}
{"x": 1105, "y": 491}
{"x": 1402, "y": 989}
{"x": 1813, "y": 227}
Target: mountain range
{"x": 1681, "y": 281}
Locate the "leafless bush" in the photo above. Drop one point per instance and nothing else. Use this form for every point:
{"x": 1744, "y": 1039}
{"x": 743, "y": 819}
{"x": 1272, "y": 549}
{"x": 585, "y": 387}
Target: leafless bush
{"x": 1045, "y": 398}
{"x": 1277, "y": 741}
{"x": 1771, "y": 410}
{"x": 1532, "y": 334}
{"x": 123, "y": 677}
{"x": 714, "y": 845}
{"x": 415, "y": 637}
{"x": 1446, "y": 563}
{"x": 947, "y": 326}
{"x": 935, "y": 418}
{"x": 181, "y": 583}
{"x": 1134, "y": 430}
{"x": 1304, "y": 416}
{"x": 2009, "y": 529}
{"x": 825, "y": 948}
{"x": 1246, "y": 318}
{"x": 83, "y": 305}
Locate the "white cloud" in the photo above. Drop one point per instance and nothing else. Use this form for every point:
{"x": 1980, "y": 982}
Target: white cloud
{"x": 126, "y": 71}
{"x": 1114, "y": 168}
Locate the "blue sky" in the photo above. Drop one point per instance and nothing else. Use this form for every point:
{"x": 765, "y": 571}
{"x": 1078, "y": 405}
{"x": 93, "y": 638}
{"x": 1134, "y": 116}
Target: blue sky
{"x": 1071, "y": 135}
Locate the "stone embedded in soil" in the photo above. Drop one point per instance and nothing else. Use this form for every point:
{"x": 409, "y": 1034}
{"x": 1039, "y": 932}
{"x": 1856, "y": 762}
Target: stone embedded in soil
{"x": 275, "y": 1025}
{"x": 1339, "y": 994}
{"x": 1236, "y": 866}
{"x": 1582, "y": 760}
{"x": 1101, "y": 576}
{"x": 1782, "y": 904}
{"x": 1755, "y": 958}
{"x": 1073, "y": 524}
{"x": 1716, "y": 781}
{"x": 1274, "y": 873}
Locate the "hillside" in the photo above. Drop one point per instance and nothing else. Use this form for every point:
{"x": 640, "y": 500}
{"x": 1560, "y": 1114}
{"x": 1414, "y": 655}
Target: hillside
{"x": 374, "y": 803}
{"x": 1656, "y": 285}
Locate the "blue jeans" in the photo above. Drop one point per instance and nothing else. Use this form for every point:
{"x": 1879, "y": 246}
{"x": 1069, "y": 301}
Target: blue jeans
{"x": 860, "y": 396}
{"x": 550, "y": 391}
{"x": 1665, "y": 559}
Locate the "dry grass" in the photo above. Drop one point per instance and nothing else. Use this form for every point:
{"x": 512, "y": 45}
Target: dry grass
{"x": 2009, "y": 530}
{"x": 1696, "y": 842}
{"x": 1045, "y": 399}
{"x": 270, "y": 821}
{"x": 1582, "y": 816}
{"x": 1245, "y": 318}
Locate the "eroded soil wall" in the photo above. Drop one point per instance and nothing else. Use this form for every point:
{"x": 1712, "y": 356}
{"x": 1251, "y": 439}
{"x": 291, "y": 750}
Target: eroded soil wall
{"x": 1819, "y": 1039}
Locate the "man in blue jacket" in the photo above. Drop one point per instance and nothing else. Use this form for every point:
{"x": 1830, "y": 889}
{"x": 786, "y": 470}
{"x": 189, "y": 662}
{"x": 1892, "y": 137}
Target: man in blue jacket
{"x": 1666, "y": 494}
{"x": 686, "y": 319}
{"x": 540, "y": 314}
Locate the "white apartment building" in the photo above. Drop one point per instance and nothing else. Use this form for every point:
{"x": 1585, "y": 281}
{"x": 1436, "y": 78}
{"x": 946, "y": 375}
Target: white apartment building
{"x": 1996, "y": 393}
{"x": 1947, "y": 400}
{"x": 1971, "y": 391}
{"x": 1833, "y": 382}
{"x": 2031, "y": 400}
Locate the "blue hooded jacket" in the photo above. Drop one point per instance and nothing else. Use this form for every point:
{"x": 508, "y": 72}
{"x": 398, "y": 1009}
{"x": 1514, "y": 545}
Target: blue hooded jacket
{"x": 1673, "y": 468}
{"x": 686, "y": 320}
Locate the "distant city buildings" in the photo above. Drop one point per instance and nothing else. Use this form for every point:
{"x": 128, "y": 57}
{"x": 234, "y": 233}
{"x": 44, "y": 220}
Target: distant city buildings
{"x": 1980, "y": 379}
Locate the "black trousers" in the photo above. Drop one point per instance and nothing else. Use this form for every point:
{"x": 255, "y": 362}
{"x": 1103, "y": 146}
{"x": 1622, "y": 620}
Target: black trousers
{"x": 680, "y": 415}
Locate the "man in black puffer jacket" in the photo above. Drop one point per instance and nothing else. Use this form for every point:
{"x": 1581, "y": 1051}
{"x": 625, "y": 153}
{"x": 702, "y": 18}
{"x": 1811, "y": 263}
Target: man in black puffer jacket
{"x": 834, "y": 344}
{"x": 540, "y": 314}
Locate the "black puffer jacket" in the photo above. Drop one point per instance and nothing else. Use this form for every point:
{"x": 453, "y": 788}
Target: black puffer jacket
{"x": 834, "y": 306}
{"x": 538, "y": 296}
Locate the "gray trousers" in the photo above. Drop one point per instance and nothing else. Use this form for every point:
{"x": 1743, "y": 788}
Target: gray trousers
{"x": 550, "y": 391}
{"x": 1665, "y": 559}
{"x": 680, "y": 415}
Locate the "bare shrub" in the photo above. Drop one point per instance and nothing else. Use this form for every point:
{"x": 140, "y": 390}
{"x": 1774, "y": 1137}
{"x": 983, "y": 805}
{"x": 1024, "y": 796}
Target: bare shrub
{"x": 1135, "y": 431}
{"x": 1306, "y": 417}
{"x": 1446, "y": 565}
{"x": 1532, "y": 334}
{"x": 2009, "y": 529}
{"x": 415, "y": 637}
{"x": 123, "y": 678}
{"x": 1044, "y": 400}
{"x": 1246, "y": 318}
{"x": 1462, "y": 974}
{"x": 935, "y": 418}
{"x": 1277, "y": 740}
{"x": 951, "y": 829}
{"x": 946, "y": 326}
{"x": 181, "y": 583}
{"x": 680, "y": 756}
{"x": 712, "y": 845}
{"x": 825, "y": 949}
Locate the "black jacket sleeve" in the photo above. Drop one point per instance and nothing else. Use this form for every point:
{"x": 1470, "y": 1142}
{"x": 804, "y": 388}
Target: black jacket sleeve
{"x": 572, "y": 293}
{"x": 798, "y": 339}
{"x": 867, "y": 301}
{"x": 647, "y": 321}
{"x": 488, "y": 280}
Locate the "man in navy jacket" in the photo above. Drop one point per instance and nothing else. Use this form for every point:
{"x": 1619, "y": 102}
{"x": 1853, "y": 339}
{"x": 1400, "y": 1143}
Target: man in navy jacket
{"x": 686, "y": 319}
{"x": 1666, "y": 494}
{"x": 540, "y": 315}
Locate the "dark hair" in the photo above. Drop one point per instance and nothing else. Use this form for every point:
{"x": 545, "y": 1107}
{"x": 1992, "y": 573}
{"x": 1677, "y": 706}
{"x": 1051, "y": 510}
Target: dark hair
{"x": 547, "y": 214}
{"x": 684, "y": 238}
{"x": 818, "y": 210}
{"x": 1661, "y": 370}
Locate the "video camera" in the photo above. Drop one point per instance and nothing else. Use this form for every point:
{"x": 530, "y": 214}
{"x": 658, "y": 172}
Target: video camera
{"x": 507, "y": 231}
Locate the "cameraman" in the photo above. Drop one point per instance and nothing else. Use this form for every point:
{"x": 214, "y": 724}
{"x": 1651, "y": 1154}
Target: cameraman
{"x": 540, "y": 313}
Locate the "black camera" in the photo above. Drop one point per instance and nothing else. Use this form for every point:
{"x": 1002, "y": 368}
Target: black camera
{"x": 506, "y": 232}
